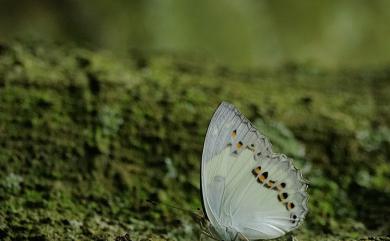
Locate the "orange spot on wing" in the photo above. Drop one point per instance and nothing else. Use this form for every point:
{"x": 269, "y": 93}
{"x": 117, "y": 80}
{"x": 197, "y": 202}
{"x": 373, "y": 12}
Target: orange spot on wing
{"x": 263, "y": 177}
{"x": 256, "y": 171}
{"x": 269, "y": 184}
{"x": 290, "y": 205}
{"x": 239, "y": 145}
{"x": 280, "y": 186}
{"x": 282, "y": 196}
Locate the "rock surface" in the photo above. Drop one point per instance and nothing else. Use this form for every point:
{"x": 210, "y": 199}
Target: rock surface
{"x": 86, "y": 138}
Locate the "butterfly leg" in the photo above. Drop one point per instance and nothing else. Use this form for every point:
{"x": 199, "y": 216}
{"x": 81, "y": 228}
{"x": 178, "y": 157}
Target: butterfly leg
{"x": 205, "y": 231}
{"x": 241, "y": 237}
{"x": 207, "y": 234}
{"x": 293, "y": 238}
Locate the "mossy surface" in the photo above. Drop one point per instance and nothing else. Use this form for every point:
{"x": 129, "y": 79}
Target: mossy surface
{"x": 86, "y": 138}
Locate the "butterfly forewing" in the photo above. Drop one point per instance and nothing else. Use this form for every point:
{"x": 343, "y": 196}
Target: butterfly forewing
{"x": 246, "y": 188}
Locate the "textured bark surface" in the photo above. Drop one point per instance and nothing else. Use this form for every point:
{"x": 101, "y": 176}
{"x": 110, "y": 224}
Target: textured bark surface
{"x": 86, "y": 138}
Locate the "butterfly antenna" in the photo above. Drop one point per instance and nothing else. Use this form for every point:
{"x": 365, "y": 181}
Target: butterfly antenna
{"x": 173, "y": 207}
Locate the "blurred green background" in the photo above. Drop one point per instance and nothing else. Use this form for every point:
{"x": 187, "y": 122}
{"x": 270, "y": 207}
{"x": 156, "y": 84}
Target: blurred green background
{"x": 247, "y": 33}
{"x": 105, "y": 104}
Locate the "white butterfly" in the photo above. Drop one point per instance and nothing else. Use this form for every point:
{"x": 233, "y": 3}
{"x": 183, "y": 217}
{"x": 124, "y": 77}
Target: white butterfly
{"x": 248, "y": 192}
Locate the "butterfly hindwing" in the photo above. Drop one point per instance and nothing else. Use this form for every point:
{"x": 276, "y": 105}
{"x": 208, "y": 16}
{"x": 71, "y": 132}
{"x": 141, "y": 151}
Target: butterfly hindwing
{"x": 245, "y": 186}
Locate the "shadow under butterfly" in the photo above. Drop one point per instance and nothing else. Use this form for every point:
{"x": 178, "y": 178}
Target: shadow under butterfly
{"x": 248, "y": 192}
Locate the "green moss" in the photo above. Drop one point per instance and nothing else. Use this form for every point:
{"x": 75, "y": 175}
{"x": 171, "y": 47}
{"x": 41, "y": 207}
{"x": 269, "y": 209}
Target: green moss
{"x": 87, "y": 137}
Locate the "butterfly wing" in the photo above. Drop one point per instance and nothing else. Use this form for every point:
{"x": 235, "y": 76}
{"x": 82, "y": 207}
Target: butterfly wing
{"x": 245, "y": 186}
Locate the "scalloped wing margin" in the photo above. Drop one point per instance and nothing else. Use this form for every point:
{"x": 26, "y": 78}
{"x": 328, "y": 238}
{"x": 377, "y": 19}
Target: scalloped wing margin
{"x": 228, "y": 127}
